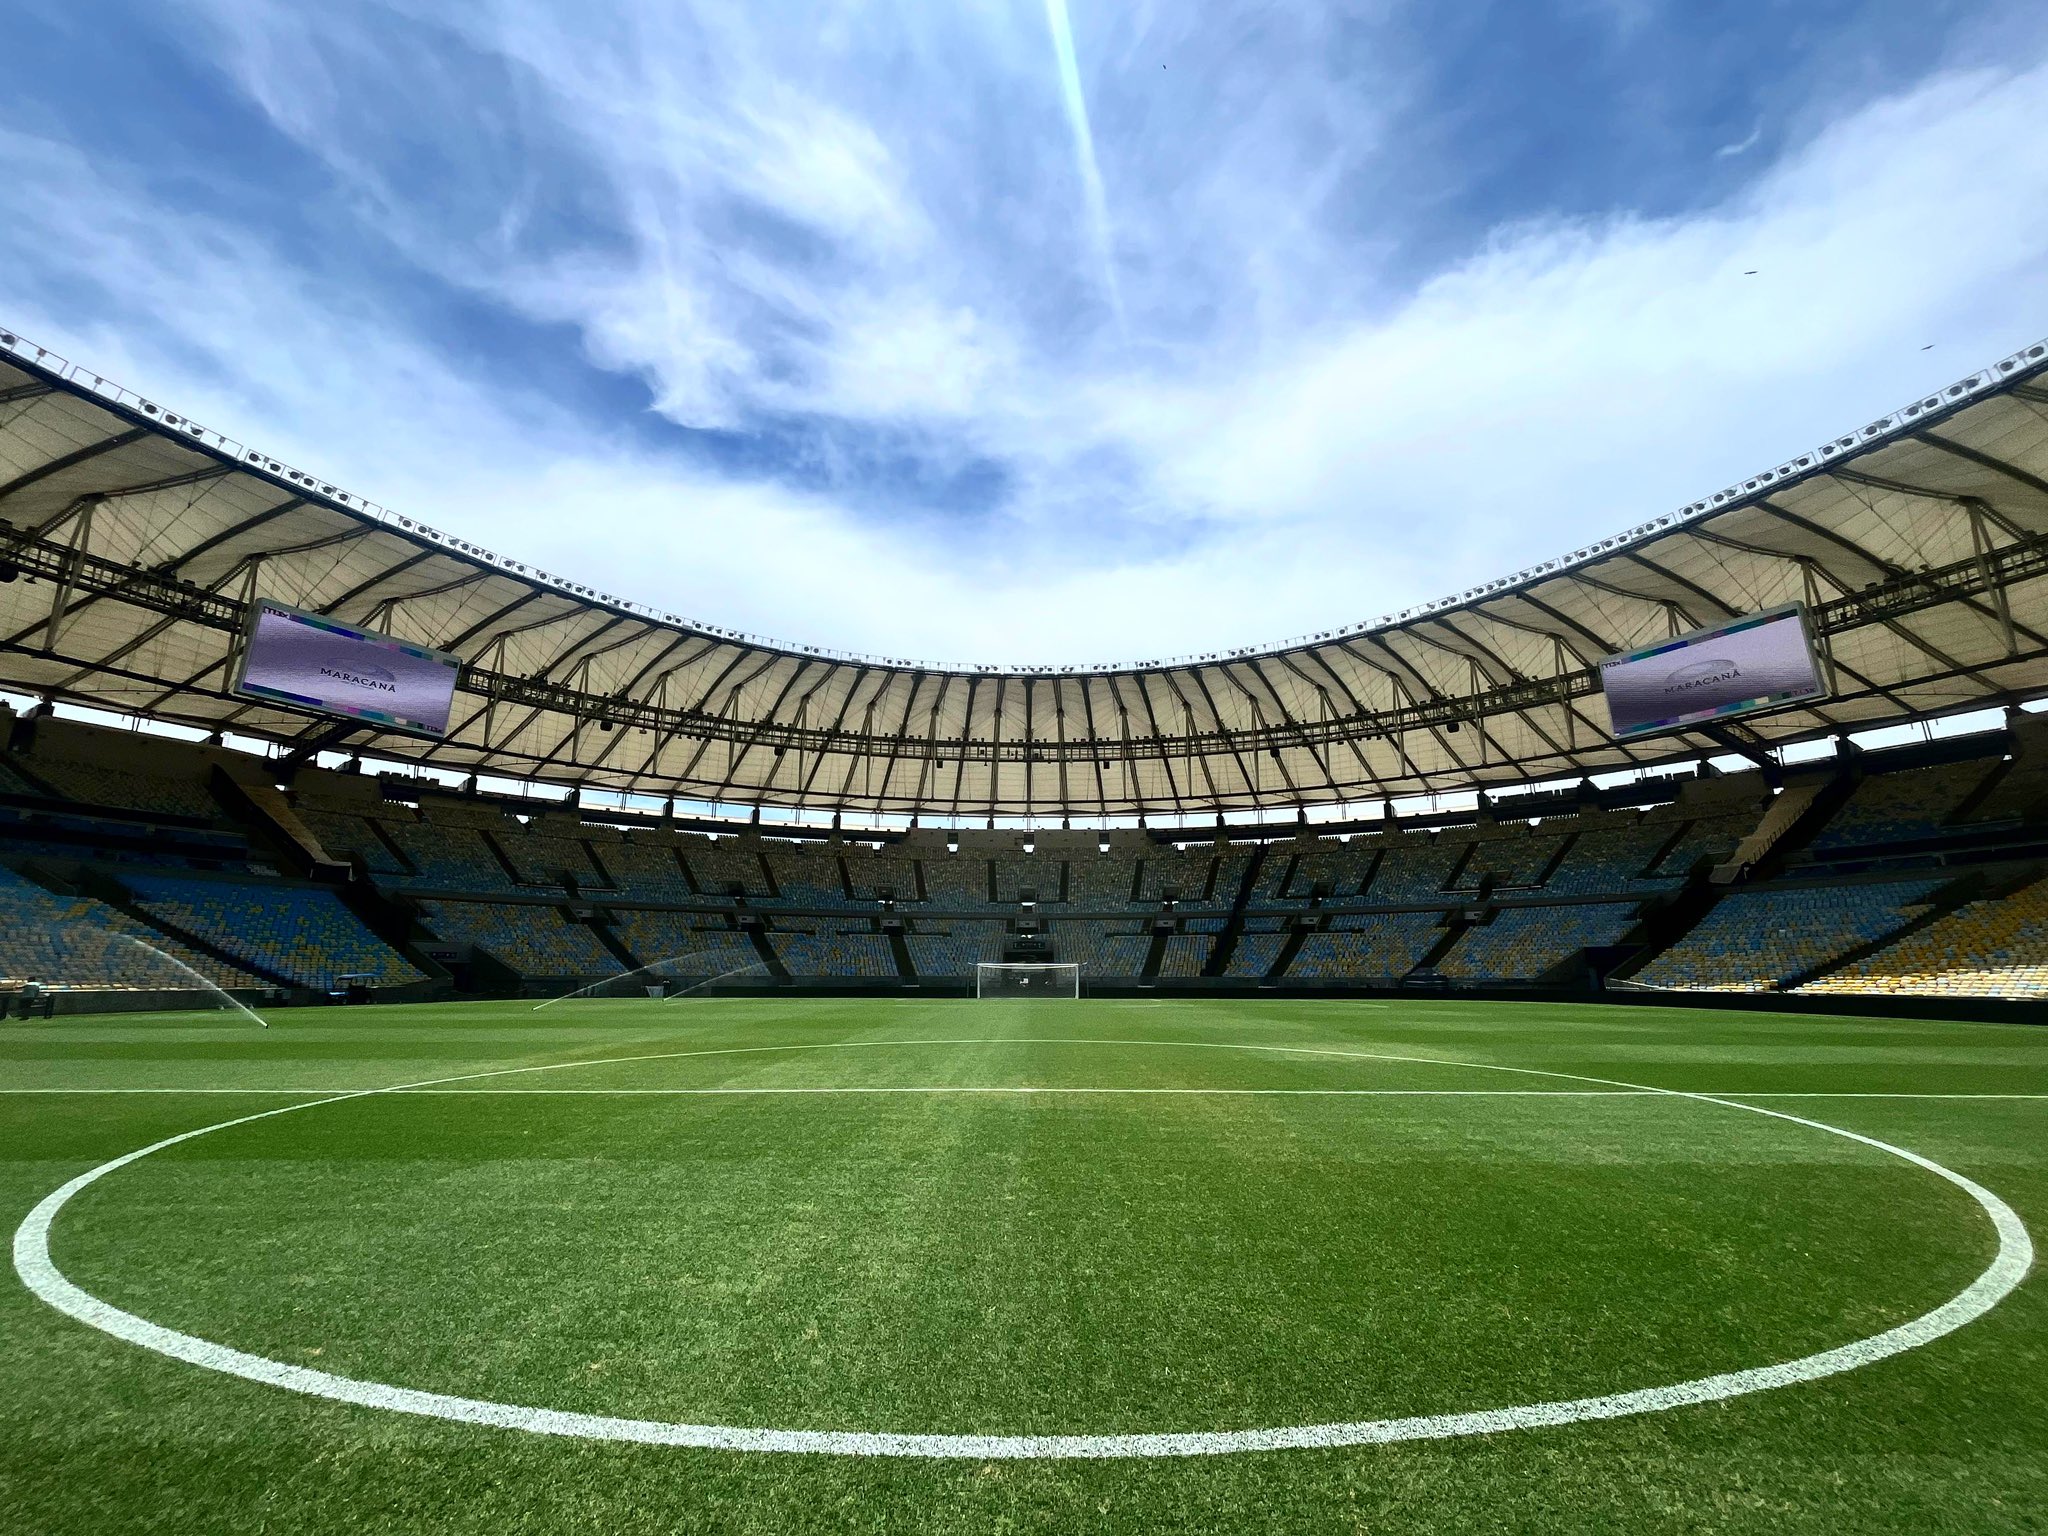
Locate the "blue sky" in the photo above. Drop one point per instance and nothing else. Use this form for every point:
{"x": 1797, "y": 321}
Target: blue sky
{"x": 868, "y": 325}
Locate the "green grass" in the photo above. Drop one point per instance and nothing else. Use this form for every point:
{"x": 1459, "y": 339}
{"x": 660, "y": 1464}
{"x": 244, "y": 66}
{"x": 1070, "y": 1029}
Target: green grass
{"x": 1013, "y": 1263}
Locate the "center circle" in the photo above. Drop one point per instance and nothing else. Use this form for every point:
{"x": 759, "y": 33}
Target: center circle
{"x": 1117, "y": 1282}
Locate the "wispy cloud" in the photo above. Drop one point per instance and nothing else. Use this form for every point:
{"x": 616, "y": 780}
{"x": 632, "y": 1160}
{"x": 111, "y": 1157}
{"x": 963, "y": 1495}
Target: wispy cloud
{"x": 1089, "y": 168}
{"x": 790, "y": 321}
{"x": 1741, "y": 146}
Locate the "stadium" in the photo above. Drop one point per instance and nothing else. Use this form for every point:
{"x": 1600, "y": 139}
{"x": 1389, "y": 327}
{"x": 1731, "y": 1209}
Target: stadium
{"x": 540, "y": 993}
{"x": 805, "y": 958}
{"x": 679, "y": 804}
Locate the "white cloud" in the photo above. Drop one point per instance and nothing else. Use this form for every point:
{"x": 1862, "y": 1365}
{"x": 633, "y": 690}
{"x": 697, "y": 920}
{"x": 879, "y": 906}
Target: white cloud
{"x": 879, "y": 235}
{"x": 1624, "y": 368}
{"x": 1741, "y": 146}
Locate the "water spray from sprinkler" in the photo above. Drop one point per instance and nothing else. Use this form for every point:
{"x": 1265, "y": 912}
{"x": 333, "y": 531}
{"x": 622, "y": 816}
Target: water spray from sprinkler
{"x": 739, "y": 970}
{"x": 217, "y": 991}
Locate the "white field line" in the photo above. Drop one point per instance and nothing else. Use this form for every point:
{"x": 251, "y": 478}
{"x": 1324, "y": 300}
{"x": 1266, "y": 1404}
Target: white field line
{"x": 2008, "y": 1267}
{"x": 1327, "y": 1093}
{"x": 1737, "y": 1093}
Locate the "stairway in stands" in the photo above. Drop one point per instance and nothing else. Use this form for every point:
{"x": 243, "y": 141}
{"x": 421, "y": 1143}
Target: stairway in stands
{"x": 1796, "y": 813}
{"x": 1233, "y": 926}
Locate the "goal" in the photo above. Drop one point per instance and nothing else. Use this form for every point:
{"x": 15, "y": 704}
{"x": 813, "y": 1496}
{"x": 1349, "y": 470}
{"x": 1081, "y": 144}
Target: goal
{"x": 1019, "y": 980}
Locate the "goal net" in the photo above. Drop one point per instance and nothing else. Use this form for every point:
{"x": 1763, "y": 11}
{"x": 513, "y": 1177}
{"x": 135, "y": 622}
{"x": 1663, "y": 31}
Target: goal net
{"x": 1020, "y": 980}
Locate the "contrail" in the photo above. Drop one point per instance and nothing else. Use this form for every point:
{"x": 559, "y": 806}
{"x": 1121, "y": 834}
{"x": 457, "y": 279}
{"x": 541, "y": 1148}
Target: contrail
{"x": 1084, "y": 152}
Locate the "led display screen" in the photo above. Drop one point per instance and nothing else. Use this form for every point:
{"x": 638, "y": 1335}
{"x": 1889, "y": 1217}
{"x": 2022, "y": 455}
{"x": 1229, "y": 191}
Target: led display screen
{"x": 300, "y": 659}
{"x": 1760, "y": 662}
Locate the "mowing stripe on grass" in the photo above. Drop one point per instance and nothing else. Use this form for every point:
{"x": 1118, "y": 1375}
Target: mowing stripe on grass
{"x": 746, "y": 1092}
{"x": 1340, "y": 1093}
{"x": 2015, "y": 1256}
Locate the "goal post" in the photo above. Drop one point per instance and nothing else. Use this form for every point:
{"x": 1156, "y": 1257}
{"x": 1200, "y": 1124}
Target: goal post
{"x": 1043, "y": 979}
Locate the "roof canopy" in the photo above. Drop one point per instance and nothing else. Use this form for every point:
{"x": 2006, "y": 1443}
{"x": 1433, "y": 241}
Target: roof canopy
{"x": 1919, "y": 543}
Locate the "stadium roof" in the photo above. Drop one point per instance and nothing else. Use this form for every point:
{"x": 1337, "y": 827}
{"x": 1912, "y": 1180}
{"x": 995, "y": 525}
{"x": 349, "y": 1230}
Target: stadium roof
{"x": 138, "y": 538}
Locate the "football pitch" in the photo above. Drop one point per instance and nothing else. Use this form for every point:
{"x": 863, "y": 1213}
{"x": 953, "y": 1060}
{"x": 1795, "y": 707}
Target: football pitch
{"x": 878, "y": 1265}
